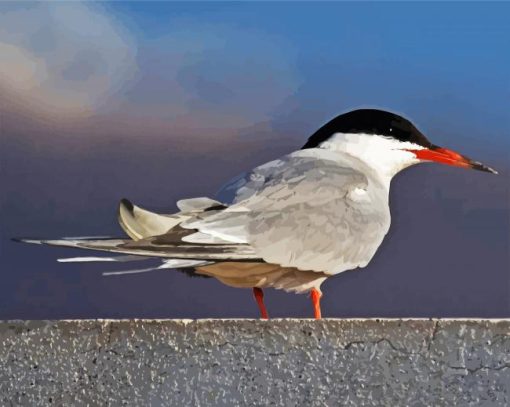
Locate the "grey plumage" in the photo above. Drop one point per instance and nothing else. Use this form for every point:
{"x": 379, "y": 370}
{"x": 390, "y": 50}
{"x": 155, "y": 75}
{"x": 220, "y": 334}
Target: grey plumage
{"x": 308, "y": 210}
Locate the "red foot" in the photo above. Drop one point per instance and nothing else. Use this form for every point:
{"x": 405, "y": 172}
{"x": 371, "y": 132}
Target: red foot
{"x": 259, "y": 296}
{"x": 316, "y": 300}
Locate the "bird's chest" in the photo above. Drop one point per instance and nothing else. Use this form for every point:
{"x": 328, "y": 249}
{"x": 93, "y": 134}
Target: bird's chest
{"x": 367, "y": 220}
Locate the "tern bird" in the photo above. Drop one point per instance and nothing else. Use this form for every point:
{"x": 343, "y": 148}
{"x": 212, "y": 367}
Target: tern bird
{"x": 290, "y": 223}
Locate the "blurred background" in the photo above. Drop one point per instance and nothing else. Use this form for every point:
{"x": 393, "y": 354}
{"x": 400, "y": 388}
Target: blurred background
{"x": 161, "y": 101}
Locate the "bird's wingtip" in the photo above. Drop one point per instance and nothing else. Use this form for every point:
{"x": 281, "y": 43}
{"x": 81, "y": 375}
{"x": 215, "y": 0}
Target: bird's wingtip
{"x": 126, "y": 203}
{"x": 26, "y": 240}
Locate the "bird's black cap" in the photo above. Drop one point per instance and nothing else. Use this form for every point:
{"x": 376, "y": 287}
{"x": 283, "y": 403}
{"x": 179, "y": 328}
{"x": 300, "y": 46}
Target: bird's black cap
{"x": 370, "y": 121}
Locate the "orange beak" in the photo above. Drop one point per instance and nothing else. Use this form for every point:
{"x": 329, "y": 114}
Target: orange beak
{"x": 450, "y": 157}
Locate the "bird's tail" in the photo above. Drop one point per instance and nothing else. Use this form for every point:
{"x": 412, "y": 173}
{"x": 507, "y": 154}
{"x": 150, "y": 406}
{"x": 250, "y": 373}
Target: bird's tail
{"x": 112, "y": 245}
{"x": 152, "y": 236}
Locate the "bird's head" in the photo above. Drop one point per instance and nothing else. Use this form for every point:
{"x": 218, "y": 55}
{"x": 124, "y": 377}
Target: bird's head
{"x": 385, "y": 141}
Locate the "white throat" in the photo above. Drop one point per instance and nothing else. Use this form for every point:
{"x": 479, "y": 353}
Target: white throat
{"x": 386, "y": 156}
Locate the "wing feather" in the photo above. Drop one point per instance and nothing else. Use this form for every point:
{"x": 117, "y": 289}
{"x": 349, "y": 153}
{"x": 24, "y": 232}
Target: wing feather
{"x": 139, "y": 223}
{"x": 157, "y": 247}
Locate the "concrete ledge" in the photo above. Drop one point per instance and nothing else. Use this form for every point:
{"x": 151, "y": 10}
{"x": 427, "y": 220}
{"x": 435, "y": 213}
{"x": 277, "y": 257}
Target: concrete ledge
{"x": 250, "y": 362}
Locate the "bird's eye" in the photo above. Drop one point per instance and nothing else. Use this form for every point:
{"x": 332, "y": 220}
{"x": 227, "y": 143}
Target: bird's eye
{"x": 391, "y": 130}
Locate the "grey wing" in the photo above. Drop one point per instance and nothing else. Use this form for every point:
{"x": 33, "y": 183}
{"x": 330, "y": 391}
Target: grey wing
{"x": 303, "y": 212}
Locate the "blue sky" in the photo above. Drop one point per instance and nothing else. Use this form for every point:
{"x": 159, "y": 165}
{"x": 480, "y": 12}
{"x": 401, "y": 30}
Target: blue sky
{"x": 235, "y": 65}
{"x": 158, "y": 101}
{"x": 440, "y": 58}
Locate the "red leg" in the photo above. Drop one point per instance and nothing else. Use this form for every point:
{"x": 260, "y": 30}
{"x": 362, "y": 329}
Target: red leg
{"x": 316, "y": 300}
{"x": 259, "y": 296}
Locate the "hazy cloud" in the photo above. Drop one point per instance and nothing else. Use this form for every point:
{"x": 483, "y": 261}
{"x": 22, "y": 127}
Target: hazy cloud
{"x": 70, "y": 58}
{"x": 65, "y": 58}
{"x": 214, "y": 74}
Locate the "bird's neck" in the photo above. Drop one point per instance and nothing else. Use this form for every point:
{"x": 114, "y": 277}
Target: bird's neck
{"x": 386, "y": 157}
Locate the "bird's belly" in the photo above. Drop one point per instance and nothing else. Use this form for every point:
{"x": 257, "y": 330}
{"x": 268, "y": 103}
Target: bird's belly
{"x": 263, "y": 275}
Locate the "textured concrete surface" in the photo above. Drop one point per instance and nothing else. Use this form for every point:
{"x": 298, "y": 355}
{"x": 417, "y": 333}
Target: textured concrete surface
{"x": 249, "y": 362}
